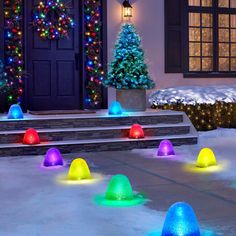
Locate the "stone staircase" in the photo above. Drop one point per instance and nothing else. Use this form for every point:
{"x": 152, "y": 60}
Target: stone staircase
{"x": 95, "y": 132}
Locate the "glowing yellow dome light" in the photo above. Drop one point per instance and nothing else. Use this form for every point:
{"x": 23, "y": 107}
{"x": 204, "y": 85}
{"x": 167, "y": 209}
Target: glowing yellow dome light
{"x": 206, "y": 158}
{"x": 79, "y": 174}
{"x": 79, "y": 170}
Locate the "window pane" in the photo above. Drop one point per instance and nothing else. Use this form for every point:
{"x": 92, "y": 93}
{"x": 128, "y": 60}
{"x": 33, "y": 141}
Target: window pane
{"x": 207, "y": 35}
{"x": 233, "y": 3}
{"x": 223, "y": 3}
{"x": 194, "y": 49}
{"x": 233, "y": 50}
{"x": 207, "y": 49}
{"x": 223, "y": 64}
{"x": 206, "y": 3}
{"x": 233, "y": 64}
{"x": 233, "y": 21}
{"x": 194, "y": 64}
{"x": 194, "y": 19}
{"x": 223, "y": 35}
{"x": 194, "y": 2}
{"x": 194, "y": 34}
{"x": 223, "y": 20}
{"x": 233, "y": 35}
{"x": 223, "y": 49}
{"x": 207, "y": 20}
{"x": 207, "y": 64}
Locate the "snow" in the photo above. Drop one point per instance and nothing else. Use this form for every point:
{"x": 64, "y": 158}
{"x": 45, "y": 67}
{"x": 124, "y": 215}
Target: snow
{"x": 193, "y": 95}
{"x": 33, "y": 203}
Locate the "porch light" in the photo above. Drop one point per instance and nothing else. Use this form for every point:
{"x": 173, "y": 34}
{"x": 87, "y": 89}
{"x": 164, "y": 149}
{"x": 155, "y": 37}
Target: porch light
{"x": 127, "y": 9}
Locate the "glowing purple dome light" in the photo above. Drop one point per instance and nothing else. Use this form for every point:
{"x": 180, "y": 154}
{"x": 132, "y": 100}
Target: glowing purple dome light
{"x": 166, "y": 148}
{"x": 53, "y": 157}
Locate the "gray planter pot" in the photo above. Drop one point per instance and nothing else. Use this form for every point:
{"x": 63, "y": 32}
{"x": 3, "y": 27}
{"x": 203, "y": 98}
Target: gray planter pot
{"x": 132, "y": 99}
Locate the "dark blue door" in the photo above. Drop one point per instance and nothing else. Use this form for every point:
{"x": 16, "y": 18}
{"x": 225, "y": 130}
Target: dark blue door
{"x": 54, "y": 67}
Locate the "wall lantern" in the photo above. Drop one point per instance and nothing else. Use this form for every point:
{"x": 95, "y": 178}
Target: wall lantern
{"x": 127, "y": 9}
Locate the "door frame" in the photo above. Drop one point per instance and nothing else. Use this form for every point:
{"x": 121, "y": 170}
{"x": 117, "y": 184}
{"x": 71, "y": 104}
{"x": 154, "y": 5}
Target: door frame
{"x": 1, "y": 31}
{"x": 82, "y": 82}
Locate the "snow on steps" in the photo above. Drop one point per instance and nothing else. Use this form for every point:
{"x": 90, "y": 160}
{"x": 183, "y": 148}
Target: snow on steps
{"x": 97, "y": 132}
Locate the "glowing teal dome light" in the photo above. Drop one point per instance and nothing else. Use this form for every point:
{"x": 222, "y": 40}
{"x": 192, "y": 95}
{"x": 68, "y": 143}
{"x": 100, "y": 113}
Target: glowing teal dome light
{"x": 181, "y": 221}
{"x": 15, "y": 112}
{"x": 115, "y": 108}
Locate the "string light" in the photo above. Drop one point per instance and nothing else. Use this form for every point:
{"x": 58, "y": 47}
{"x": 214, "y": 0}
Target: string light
{"x": 44, "y": 25}
{"x": 13, "y": 24}
{"x": 206, "y": 116}
{"x": 14, "y": 63}
{"x": 93, "y": 46}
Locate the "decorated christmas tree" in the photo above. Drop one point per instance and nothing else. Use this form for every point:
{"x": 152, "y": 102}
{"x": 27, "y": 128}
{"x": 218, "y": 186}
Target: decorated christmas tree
{"x": 128, "y": 69}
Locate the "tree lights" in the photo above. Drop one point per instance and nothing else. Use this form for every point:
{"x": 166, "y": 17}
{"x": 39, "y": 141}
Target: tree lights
{"x": 13, "y": 21}
{"x": 93, "y": 47}
{"x": 206, "y": 116}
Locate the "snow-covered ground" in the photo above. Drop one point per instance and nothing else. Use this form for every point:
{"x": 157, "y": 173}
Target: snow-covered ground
{"x": 194, "y": 95}
{"x": 33, "y": 203}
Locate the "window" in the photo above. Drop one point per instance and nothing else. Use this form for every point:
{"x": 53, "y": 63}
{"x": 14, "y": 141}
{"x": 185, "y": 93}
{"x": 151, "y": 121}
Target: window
{"x": 211, "y": 46}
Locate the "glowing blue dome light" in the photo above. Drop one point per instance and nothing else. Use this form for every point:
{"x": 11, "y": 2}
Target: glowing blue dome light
{"x": 115, "y": 108}
{"x": 181, "y": 221}
{"x": 15, "y": 112}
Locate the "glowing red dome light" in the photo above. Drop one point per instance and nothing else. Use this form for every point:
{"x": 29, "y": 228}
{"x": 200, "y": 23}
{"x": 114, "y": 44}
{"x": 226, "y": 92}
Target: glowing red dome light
{"x": 136, "y": 132}
{"x": 31, "y": 137}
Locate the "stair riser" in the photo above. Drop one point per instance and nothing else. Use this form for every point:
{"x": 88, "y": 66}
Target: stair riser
{"x": 98, "y": 134}
{"x": 89, "y": 122}
{"x": 76, "y": 148}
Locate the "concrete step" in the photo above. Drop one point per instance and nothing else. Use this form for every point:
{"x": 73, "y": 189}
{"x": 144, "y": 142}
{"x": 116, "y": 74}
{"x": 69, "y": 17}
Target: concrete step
{"x": 75, "y": 146}
{"x": 16, "y": 136}
{"x": 99, "y": 119}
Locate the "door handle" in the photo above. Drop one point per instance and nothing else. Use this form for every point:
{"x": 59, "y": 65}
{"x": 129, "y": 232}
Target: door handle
{"x": 77, "y": 61}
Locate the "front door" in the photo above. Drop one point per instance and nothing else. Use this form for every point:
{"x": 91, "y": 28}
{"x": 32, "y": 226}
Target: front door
{"x": 54, "y": 67}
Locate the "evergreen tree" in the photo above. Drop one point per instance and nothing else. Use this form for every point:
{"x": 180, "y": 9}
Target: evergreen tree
{"x": 128, "y": 69}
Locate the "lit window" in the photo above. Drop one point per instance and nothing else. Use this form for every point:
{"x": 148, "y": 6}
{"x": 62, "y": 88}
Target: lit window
{"x": 211, "y": 36}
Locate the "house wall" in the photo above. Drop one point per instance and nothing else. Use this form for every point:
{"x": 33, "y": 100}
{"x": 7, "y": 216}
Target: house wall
{"x": 148, "y": 16}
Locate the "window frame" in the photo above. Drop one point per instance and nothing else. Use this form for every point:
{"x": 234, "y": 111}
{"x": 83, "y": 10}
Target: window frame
{"x": 215, "y": 10}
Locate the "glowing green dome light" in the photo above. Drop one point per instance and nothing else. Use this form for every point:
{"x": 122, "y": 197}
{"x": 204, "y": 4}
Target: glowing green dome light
{"x": 119, "y": 188}
{"x": 120, "y": 193}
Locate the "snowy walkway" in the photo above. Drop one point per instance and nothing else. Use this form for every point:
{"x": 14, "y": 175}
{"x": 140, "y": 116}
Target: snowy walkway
{"x": 32, "y": 203}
